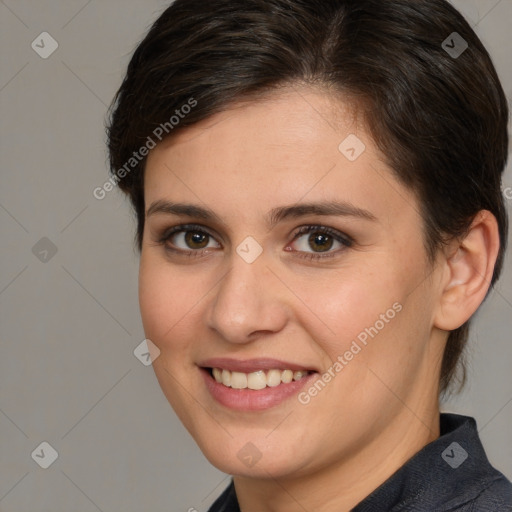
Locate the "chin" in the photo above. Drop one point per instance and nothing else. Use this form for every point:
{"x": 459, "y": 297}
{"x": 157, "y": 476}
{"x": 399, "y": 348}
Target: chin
{"x": 244, "y": 458}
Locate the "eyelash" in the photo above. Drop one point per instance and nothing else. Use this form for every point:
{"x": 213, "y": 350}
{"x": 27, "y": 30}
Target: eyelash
{"x": 324, "y": 230}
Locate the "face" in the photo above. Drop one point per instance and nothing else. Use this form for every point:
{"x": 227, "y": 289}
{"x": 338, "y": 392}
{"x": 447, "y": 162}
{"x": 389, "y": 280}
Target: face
{"x": 280, "y": 255}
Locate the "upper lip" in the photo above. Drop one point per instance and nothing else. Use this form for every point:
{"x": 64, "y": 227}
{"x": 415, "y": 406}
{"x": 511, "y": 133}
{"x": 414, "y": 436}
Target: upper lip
{"x": 252, "y": 365}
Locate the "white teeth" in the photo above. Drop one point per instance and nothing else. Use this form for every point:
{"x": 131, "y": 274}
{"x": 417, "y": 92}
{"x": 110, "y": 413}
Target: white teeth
{"x": 226, "y": 378}
{"x": 287, "y": 376}
{"x": 238, "y": 380}
{"x": 256, "y": 380}
{"x": 273, "y": 378}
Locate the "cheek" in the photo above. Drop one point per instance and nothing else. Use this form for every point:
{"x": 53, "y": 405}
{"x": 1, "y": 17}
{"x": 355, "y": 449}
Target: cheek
{"x": 166, "y": 301}
{"x": 375, "y": 315}
{"x": 343, "y": 305}
{"x": 382, "y": 323}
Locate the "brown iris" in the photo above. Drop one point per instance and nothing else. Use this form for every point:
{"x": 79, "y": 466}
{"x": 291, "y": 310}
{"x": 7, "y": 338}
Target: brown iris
{"x": 196, "y": 239}
{"x": 324, "y": 242}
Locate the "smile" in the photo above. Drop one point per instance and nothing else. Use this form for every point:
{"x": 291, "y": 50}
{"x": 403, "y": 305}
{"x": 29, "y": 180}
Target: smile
{"x": 256, "y": 380}
{"x": 254, "y": 384}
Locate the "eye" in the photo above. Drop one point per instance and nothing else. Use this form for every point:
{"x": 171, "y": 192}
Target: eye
{"x": 311, "y": 242}
{"x": 318, "y": 241}
{"x": 188, "y": 239}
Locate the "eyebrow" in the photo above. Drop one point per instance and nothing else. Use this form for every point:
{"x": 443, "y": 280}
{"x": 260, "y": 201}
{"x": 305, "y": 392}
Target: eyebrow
{"x": 273, "y": 217}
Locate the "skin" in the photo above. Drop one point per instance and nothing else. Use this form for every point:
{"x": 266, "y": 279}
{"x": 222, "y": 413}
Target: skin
{"x": 383, "y": 406}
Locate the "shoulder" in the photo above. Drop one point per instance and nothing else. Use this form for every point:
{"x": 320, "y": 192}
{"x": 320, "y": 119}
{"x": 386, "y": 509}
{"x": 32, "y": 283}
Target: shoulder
{"x": 496, "y": 497}
{"x": 450, "y": 474}
{"x": 471, "y": 483}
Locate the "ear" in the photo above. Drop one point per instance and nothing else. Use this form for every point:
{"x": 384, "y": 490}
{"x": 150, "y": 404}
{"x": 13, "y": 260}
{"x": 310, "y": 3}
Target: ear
{"x": 468, "y": 269}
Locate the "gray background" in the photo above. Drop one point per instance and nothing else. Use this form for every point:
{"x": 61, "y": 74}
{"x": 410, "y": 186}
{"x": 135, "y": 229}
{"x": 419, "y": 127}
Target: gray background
{"x": 70, "y": 323}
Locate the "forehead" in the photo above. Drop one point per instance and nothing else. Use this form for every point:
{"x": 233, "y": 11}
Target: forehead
{"x": 300, "y": 144}
{"x": 298, "y": 116}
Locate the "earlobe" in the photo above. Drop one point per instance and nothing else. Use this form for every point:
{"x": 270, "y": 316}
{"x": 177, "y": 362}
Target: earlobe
{"x": 469, "y": 265}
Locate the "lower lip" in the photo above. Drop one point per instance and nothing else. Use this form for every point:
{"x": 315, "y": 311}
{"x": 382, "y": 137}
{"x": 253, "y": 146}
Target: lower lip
{"x": 250, "y": 399}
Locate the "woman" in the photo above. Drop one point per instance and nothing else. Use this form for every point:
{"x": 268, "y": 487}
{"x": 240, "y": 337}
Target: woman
{"x": 317, "y": 189}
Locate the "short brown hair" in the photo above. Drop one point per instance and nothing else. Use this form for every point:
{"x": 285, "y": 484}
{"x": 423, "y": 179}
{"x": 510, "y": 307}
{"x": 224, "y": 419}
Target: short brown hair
{"x": 439, "y": 118}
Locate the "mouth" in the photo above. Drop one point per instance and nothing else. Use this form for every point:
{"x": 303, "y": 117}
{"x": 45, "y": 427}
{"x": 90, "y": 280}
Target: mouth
{"x": 257, "y": 380}
{"x": 253, "y": 385}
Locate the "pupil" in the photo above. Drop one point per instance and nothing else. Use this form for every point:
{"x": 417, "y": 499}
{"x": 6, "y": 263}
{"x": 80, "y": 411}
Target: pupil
{"x": 323, "y": 241}
{"x": 195, "y": 239}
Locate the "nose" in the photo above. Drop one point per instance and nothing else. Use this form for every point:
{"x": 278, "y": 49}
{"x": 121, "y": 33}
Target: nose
{"x": 249, "y": 302}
